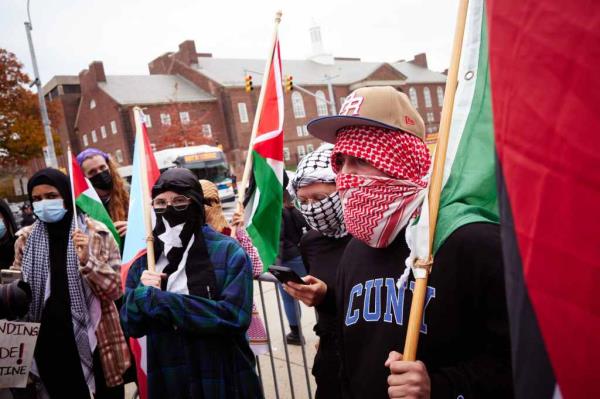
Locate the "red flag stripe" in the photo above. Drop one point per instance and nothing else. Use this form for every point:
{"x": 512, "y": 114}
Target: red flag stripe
{"x": 151, "y": 165}
{"x": 269, "y": 138}
{"x": 79, "y": 182}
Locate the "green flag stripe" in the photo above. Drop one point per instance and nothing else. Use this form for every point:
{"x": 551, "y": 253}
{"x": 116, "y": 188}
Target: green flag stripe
{"x": 265, "y": 222}
{"x": 96, "y": 211}
{"x": 469, "y": 194}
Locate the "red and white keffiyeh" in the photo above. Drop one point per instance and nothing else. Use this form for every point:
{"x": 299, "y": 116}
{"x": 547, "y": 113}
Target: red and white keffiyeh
{"x": 377, "y": 208}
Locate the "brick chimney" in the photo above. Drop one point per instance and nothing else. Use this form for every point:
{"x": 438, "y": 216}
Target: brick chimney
{"x": 420, "y": 60}
{"x": 89, "y": 78}
{"x": 97, "y": 70}
{"x": 187, "y": 53}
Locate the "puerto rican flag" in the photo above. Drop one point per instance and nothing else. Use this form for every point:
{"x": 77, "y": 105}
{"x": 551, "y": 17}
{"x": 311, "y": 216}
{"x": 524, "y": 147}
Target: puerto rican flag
{"x": 135, "y": 244}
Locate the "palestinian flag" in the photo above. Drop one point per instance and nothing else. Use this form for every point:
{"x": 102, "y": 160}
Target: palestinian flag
{"x": 87, "y": 199}
{"x": 544, "y": 59}
{"x": 265, "y": 201}
{"x": 469, "y": 184}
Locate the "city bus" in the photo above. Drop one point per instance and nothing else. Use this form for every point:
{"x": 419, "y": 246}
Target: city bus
{"x": 206, "y": 162}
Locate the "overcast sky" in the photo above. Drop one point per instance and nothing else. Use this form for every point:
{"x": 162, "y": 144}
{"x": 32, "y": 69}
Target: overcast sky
{"x": 127, "y": 34}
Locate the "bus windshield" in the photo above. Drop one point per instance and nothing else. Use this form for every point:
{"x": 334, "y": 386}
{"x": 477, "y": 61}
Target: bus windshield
{"x": 215, "y": 174}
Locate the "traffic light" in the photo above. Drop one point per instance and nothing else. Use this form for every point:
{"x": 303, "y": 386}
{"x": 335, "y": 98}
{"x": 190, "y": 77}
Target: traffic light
{"x": 289, "y": 83}
{"x": 248, "y": 84}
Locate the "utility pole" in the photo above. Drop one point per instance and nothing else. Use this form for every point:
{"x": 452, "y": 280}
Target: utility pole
{"x": 50, "y": 155}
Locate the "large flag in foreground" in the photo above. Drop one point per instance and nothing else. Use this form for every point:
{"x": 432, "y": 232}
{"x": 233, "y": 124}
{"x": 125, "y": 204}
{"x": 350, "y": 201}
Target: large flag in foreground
{"x": 263, "y": 210}
{"x": 544, "y": 59}
{"x": 144, "y": 167}
{"x": 87, "y": 199}
{"x": 469, "y": 184}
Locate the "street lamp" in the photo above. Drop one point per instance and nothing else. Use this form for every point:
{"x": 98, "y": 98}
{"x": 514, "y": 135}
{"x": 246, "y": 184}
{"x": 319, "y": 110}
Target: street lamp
{"x": 50, "y": 154}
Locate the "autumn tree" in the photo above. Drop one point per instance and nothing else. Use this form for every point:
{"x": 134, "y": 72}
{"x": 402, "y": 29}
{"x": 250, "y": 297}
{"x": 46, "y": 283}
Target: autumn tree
{"x": 21, "y": 129}
{"x": 182, "y": 133}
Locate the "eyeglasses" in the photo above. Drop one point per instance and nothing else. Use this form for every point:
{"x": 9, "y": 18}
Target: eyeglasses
{"x": 305, "y": 201}
{"x": 179, "y": 203}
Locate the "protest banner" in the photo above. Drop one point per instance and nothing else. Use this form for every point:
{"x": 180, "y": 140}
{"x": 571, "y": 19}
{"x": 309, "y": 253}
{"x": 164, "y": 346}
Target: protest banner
{"x": 17, "y": 344}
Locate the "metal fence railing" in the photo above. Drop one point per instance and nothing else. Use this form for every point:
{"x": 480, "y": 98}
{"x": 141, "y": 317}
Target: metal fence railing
{"x": 277, "y": 389}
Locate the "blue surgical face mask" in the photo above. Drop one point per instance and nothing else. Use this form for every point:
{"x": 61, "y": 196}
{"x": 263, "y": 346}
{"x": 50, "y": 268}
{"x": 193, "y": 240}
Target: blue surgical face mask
{"x": 2, "y": 228}
{"x": 50, "y": 210}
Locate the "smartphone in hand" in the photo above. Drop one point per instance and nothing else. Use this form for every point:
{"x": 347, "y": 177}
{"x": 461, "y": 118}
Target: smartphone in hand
{"x": 285, "y": 274}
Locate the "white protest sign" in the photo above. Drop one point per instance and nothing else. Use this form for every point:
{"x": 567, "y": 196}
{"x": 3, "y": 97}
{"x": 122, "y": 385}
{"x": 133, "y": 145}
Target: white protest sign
{"x": 17, "y": 344}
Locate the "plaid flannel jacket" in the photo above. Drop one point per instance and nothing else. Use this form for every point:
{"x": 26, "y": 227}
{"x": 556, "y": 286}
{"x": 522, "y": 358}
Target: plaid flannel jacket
{"x": 101, "y": 272}
{"x": 197, "y": 347}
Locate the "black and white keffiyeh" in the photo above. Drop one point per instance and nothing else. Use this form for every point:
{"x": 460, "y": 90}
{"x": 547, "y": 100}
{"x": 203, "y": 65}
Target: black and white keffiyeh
{"x": 313, "y": 168}
{"x": 325, "y": 215}
{"x": 36, "y": 271}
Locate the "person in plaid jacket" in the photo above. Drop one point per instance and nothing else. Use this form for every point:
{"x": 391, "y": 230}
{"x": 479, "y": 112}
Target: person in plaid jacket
{"x": 195, "y": 308}
{"x": 216, "y": 219}
{"x": 72, "y": 265}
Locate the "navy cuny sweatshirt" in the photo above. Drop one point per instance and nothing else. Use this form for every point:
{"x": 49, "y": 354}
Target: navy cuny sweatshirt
{"x": 464, "y": 339}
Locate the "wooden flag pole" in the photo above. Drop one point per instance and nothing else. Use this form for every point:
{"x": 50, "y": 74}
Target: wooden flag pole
{"x": 146, "y": 203}
{"x": 261, "y": 99}
{"x": 435, "y": 187}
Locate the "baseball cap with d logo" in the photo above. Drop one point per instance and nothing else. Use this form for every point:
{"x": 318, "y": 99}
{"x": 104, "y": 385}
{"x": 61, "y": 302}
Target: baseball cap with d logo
{"x": 381, "y": 106}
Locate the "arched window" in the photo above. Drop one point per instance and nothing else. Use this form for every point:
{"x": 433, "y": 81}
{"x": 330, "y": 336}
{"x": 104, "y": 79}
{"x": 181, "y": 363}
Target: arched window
{"x": 92, "y": 104}
{"x": 440, "y": 95}
{"x": 412, "y": 93}
{"x": 427, "y": 95}
{"x": 321, "y": 103}
{"x": 298, "y": 105}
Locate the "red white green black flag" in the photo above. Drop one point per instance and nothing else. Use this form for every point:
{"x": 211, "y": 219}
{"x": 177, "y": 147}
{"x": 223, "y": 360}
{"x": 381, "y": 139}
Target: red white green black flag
{"x": 263, "y": 209}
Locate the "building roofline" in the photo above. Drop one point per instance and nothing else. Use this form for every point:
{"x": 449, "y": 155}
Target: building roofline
{"x": 59, "y": 80}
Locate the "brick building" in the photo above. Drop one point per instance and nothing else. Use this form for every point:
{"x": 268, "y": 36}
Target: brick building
{"x": 224, "y": 79}
{"x": 105, "y": 116}
{"x": 207, "y": 93}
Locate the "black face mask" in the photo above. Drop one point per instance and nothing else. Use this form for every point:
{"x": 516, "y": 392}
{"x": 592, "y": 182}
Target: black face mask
{"x": 102, "y": 180}
{"x": 175, "y": 217}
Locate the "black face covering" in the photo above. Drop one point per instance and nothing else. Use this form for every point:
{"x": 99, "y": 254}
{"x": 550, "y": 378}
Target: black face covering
{"x": 175, "y": 217}
{"x": 199, "y": 270}
{"x": 102, "y": 180}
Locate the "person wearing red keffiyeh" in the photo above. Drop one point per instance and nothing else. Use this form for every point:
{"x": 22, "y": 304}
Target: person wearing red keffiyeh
{"x": 382, "y": 166}
{"x": 403, "y": 158}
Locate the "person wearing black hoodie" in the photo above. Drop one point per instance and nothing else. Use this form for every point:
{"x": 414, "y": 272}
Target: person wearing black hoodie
{"x": 382, "y": 164}
{"x": 8, "y": 228}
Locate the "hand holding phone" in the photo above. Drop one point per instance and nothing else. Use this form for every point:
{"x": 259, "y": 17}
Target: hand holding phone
{"x": 311, "y": 293}
{"x": 285, "y": 274}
